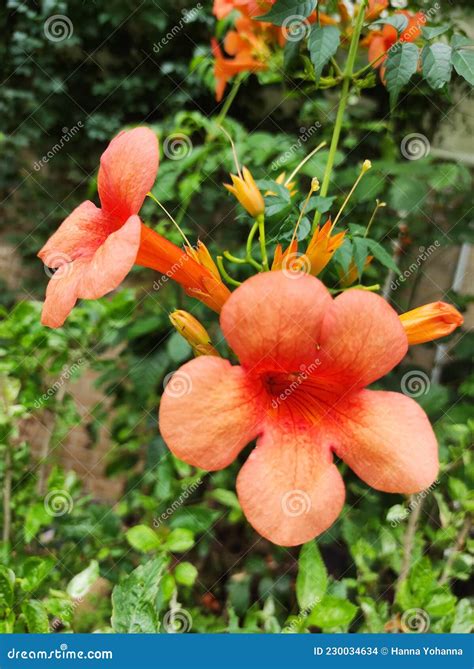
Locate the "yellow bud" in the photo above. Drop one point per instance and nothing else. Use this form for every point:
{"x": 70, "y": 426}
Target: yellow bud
{"x": 190, "y": 328}
{"x": 247, "y": 193}
{"x": 366, "y": 165}
{"x": 314, "y": 184}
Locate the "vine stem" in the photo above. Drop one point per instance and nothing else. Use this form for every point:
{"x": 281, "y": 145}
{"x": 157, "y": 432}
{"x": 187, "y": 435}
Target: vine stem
{"x": 263, "y": 243}
{"x": 409, "y": 540}
{"x": 460, "y": 539}
{"x": 346, "y": 85}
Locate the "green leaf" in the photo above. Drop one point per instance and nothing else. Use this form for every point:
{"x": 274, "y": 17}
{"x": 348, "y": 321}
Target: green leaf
{"x": 319, "y": 203}
{"x": 143, "y": 538}
{"x": 225, "y": 497}
{"x": 463, "y": 57}
{"x": 36, "y": 617}
{"x": 185, "y": 573}
{"x": 436, "y": 64}
{"x": 332, "y": 612}
{"x": 360, "y": 253}
{"x": 312, "y": 579}
{"x": 136, "y": 601}
{"x": 381, "y": 255}
{"x": 81, "y": 583}
{"x": 34, "y": 571}
{"x": 36, "y": 518}
{"x": 463, "y": 618}
{"x": 180, "y": 540}
{"x": 290, "y": 53}
{"x": 323, "y": 42}
{"x": 285, "y": 9}
{"x": 7, "y": 584}
{"x": 430, "y": 33}
{"x": 402, "y": 63}
{"x": 398, "y": 21}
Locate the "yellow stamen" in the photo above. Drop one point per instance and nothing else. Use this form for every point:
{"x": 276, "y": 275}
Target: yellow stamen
{"x": 150, "y": 195}
{"x": 366, "y": 165}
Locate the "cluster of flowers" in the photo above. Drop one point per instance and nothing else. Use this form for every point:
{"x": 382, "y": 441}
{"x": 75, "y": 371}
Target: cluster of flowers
{"x": 249, "y": 45}
{"x": 286, "y": 333}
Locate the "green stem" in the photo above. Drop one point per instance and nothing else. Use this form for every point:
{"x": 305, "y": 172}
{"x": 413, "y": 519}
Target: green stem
{"x": 228, "y": 101}
{"x": 263, "y": 244}
{"x": 346, "y": 85}
{"x": 223, "y": 271}
{"x": 234, "y": 259}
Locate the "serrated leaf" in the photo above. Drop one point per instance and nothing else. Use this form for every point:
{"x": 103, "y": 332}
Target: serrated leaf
{"x": 436, "y": 64}
{"x": 36, "y": 617}
{"x": 135, "y": 601}
{"x": 381, "y": 255}
{"x": 402, "y": 63}
{"x": 398, "y": 21}
{"x": 430, "y": 33}
{"x": 463, "y": 57}
{"x": 323, "y": 42}
{"x": 285, "y": 9}
{"x": 312, "y": 579}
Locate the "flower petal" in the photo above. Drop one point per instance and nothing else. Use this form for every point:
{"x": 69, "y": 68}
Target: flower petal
{"x": 289, "y": 488}
{"x": 209, "y": 412}
{"x": 112, "y": 261}
{"x": 361, "y": 340}
{"x": 91, "y": 276}
{"x": 273, "y": 320}
{"x": 127, "y": 172}
{"x": 80, "y": 234}
{"x": 387, "y": 439}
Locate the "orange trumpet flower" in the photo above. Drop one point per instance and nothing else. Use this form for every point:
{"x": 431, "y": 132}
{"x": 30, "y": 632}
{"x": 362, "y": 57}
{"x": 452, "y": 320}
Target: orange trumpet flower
{"x": 95, "y": 248}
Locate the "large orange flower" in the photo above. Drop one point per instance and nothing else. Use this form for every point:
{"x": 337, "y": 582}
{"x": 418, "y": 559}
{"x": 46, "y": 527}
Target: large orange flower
{"x": 94, "y": 248}
{"x": 380, "y": 41}
{"x": 305, "y": 360}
